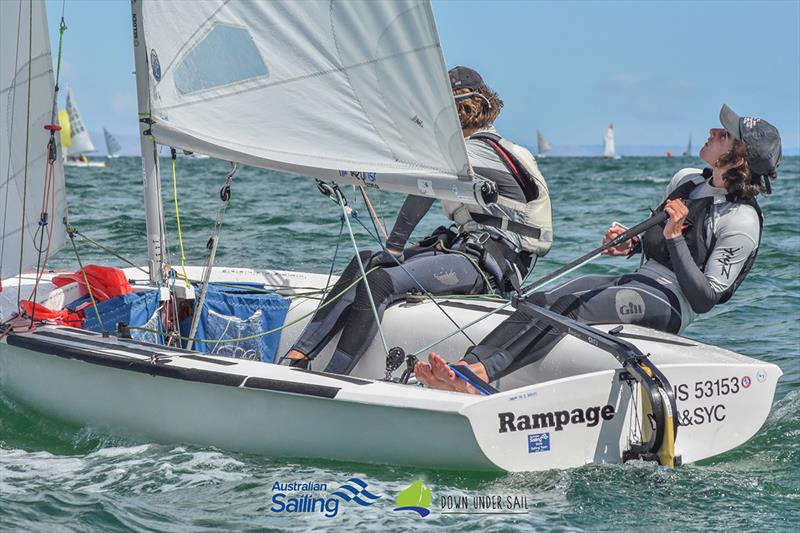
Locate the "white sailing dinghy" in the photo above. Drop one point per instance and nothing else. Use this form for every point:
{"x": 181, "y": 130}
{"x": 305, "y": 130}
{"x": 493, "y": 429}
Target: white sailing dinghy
{"x": 75, "y": 140}
{"x": 366, "y": 101}
{"x": 688, "y": 151}
{"x": 542, "y": 145}
{"x": 112, "y": 145}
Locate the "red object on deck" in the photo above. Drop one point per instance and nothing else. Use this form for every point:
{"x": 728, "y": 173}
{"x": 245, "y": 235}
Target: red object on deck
{"x": 63, "y": 317}
{"x": 106, "y": 282}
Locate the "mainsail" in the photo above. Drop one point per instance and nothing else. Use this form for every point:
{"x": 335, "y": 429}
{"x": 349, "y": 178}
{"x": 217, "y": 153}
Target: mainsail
{"x": 609, "y": 150}
{"x": 112, "y": 145}
{"x": 22, "y": 182}
{"x": 543, "y": 145}
{"x": 340, "y": 90}
{"x": 80, "y": 142}
{"x": 688, "y": 151}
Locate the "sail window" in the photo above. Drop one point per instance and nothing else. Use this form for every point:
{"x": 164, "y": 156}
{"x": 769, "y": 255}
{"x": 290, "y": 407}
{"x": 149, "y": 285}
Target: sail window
{"x": 226, "y": 55}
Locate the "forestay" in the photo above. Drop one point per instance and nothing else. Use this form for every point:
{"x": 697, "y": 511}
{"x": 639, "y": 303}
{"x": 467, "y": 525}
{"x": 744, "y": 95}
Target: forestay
{"x": 340, "y": 90}
{"x": 23, "y": 119}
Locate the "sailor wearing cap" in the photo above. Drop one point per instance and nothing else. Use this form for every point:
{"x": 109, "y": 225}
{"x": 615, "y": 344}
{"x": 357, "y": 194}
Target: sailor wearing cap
{"x": 692, "y": 262}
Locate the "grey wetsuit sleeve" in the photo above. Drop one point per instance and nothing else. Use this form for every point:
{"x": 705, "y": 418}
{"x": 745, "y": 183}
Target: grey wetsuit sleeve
{"x": 702, "y": 288}
{"x": 693, "y": 282}
{"x": 414, "y": 208}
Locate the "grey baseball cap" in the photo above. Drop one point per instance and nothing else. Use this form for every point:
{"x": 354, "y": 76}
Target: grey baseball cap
{"x": 762, "y": 139}
{"x": 465, "y": 78}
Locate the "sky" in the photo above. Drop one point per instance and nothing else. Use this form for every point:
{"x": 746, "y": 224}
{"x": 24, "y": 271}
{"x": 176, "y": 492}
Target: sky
{"x": 659, "y": 70}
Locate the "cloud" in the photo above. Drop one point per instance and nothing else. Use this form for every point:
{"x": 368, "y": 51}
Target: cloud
{"x": 626, "y": 79}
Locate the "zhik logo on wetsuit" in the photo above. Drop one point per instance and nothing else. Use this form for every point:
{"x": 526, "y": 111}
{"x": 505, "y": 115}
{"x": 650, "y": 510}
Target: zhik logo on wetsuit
{"x": 591, "y": 416}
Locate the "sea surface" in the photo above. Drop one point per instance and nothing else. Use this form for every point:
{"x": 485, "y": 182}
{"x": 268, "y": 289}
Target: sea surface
{"x": 57, "y": 477}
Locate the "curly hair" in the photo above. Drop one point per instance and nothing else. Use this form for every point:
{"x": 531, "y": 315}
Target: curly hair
{"x": 740, "y": 182}
{"x": 478, "y": 111}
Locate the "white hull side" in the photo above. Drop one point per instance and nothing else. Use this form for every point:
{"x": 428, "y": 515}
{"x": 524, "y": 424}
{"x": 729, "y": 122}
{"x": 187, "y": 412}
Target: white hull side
{"x": 388, "y": 423}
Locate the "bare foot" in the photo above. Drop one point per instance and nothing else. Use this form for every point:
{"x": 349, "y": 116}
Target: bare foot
{"x": 297, "y": 359}
{"x": 426, "y": 377}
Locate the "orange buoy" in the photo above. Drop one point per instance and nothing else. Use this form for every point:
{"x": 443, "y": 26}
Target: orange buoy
{"x": 669, "y": 153}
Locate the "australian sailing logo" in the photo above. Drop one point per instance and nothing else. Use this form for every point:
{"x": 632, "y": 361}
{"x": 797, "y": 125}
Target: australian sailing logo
{"x": 313, "y": 497}
{"x": 590, "y": 416}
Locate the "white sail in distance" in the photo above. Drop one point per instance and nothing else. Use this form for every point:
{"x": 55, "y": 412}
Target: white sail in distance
{"x": 112, "y": 145}
{"x": 21, "y": 205}
{"x": 340, "y": 90}
{"x": 609, "y": 150}
{"x": 542, "y": 145}
{"x": 81, "y": 143}
{"x": 688, "y": 151}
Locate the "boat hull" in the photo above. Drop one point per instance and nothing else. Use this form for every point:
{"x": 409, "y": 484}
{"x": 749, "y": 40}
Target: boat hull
{"x": 169, "y": 395}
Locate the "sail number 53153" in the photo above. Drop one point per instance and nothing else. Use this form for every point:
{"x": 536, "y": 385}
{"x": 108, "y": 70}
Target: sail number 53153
{"x": 709, "y": 388}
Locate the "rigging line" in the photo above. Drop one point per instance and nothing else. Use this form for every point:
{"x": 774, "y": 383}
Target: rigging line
{"x": 86, "y": 280}
{"x": 178, "y": 216}
{"x": 27, "y": 142}
{"x": 373, "y": 215}
{"x": 333, "y": 263}
{"x": 422, "y": 288}
{"x": 345, "y": 213}
{"x": 274, "y": 330}
{"x": 109, "y": 250}
{"x": 225, "y": 196}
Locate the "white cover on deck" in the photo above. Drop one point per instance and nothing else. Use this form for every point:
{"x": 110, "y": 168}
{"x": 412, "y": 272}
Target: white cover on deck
{"x": 15, "y": 233}
{"x": 337, "y": 89}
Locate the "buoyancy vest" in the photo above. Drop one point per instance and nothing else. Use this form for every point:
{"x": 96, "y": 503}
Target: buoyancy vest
{"x": 654, "y": 245}
{"x": 530, "y": 220}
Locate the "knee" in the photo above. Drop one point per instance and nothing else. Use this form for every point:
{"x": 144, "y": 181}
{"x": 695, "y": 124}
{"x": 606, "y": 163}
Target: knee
{"x": 380, "y": 287}
{"x": 567, "y": 305}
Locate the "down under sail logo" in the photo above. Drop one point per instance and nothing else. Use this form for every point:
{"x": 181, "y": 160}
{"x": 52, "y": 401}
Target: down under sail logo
{"x": 415, "y": 498}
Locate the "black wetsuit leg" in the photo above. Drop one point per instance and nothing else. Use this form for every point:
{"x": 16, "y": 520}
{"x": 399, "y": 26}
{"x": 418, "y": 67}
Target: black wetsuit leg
{"x": 439, "y": 273}
{"x": 521, "y": 339}
{"x": 329, "y": 320}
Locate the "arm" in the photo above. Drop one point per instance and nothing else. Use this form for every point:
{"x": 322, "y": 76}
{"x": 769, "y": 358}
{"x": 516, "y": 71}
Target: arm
{"x": 414, "y": 208}
{"x": 733, "y": 246}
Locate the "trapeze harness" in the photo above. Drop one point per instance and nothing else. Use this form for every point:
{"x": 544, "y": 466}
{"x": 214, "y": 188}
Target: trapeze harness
{"x": 654, "y": 245}
{"x": 484, "y": 232}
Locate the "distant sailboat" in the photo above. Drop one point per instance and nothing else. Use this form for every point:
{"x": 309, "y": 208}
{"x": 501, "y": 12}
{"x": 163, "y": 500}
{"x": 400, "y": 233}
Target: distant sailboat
{"x": 75, "y": 140}
{"x": 688, "y": 151}
{"x": 609, "y": 149}
{"x": 544, "y": 146}
{"x": 112, "y": 146}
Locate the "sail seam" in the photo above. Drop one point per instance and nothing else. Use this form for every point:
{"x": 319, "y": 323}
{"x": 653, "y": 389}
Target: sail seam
{"x": 297, "y": 78}
{"x": 350, "y": 85}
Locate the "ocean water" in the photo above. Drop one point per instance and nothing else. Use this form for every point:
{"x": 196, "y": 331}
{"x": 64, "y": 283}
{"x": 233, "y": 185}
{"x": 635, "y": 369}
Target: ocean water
{"x": 57, "y": 477}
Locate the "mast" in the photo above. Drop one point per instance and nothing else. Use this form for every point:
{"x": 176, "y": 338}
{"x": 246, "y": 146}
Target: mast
{"x": 154, "y": 214}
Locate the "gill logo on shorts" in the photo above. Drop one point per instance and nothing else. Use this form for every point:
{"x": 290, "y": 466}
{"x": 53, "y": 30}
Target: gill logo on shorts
{"x": 630, "y": 306}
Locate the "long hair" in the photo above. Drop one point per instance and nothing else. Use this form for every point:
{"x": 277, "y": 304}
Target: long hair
{"x": 478, "y": 111}
{"x": 741, "y": 182}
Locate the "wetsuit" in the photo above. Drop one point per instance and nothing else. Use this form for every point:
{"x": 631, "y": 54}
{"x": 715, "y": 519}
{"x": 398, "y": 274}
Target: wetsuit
{"x": 440, "y": 273}
{"x": 658, "y": 296}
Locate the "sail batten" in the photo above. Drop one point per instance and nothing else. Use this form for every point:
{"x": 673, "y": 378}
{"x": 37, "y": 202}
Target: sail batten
{"x": 318, "y": 88}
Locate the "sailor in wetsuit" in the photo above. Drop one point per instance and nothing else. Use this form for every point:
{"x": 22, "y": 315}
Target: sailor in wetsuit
{"x": 694, "y": 261}
{"x": 501, "y": 238}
